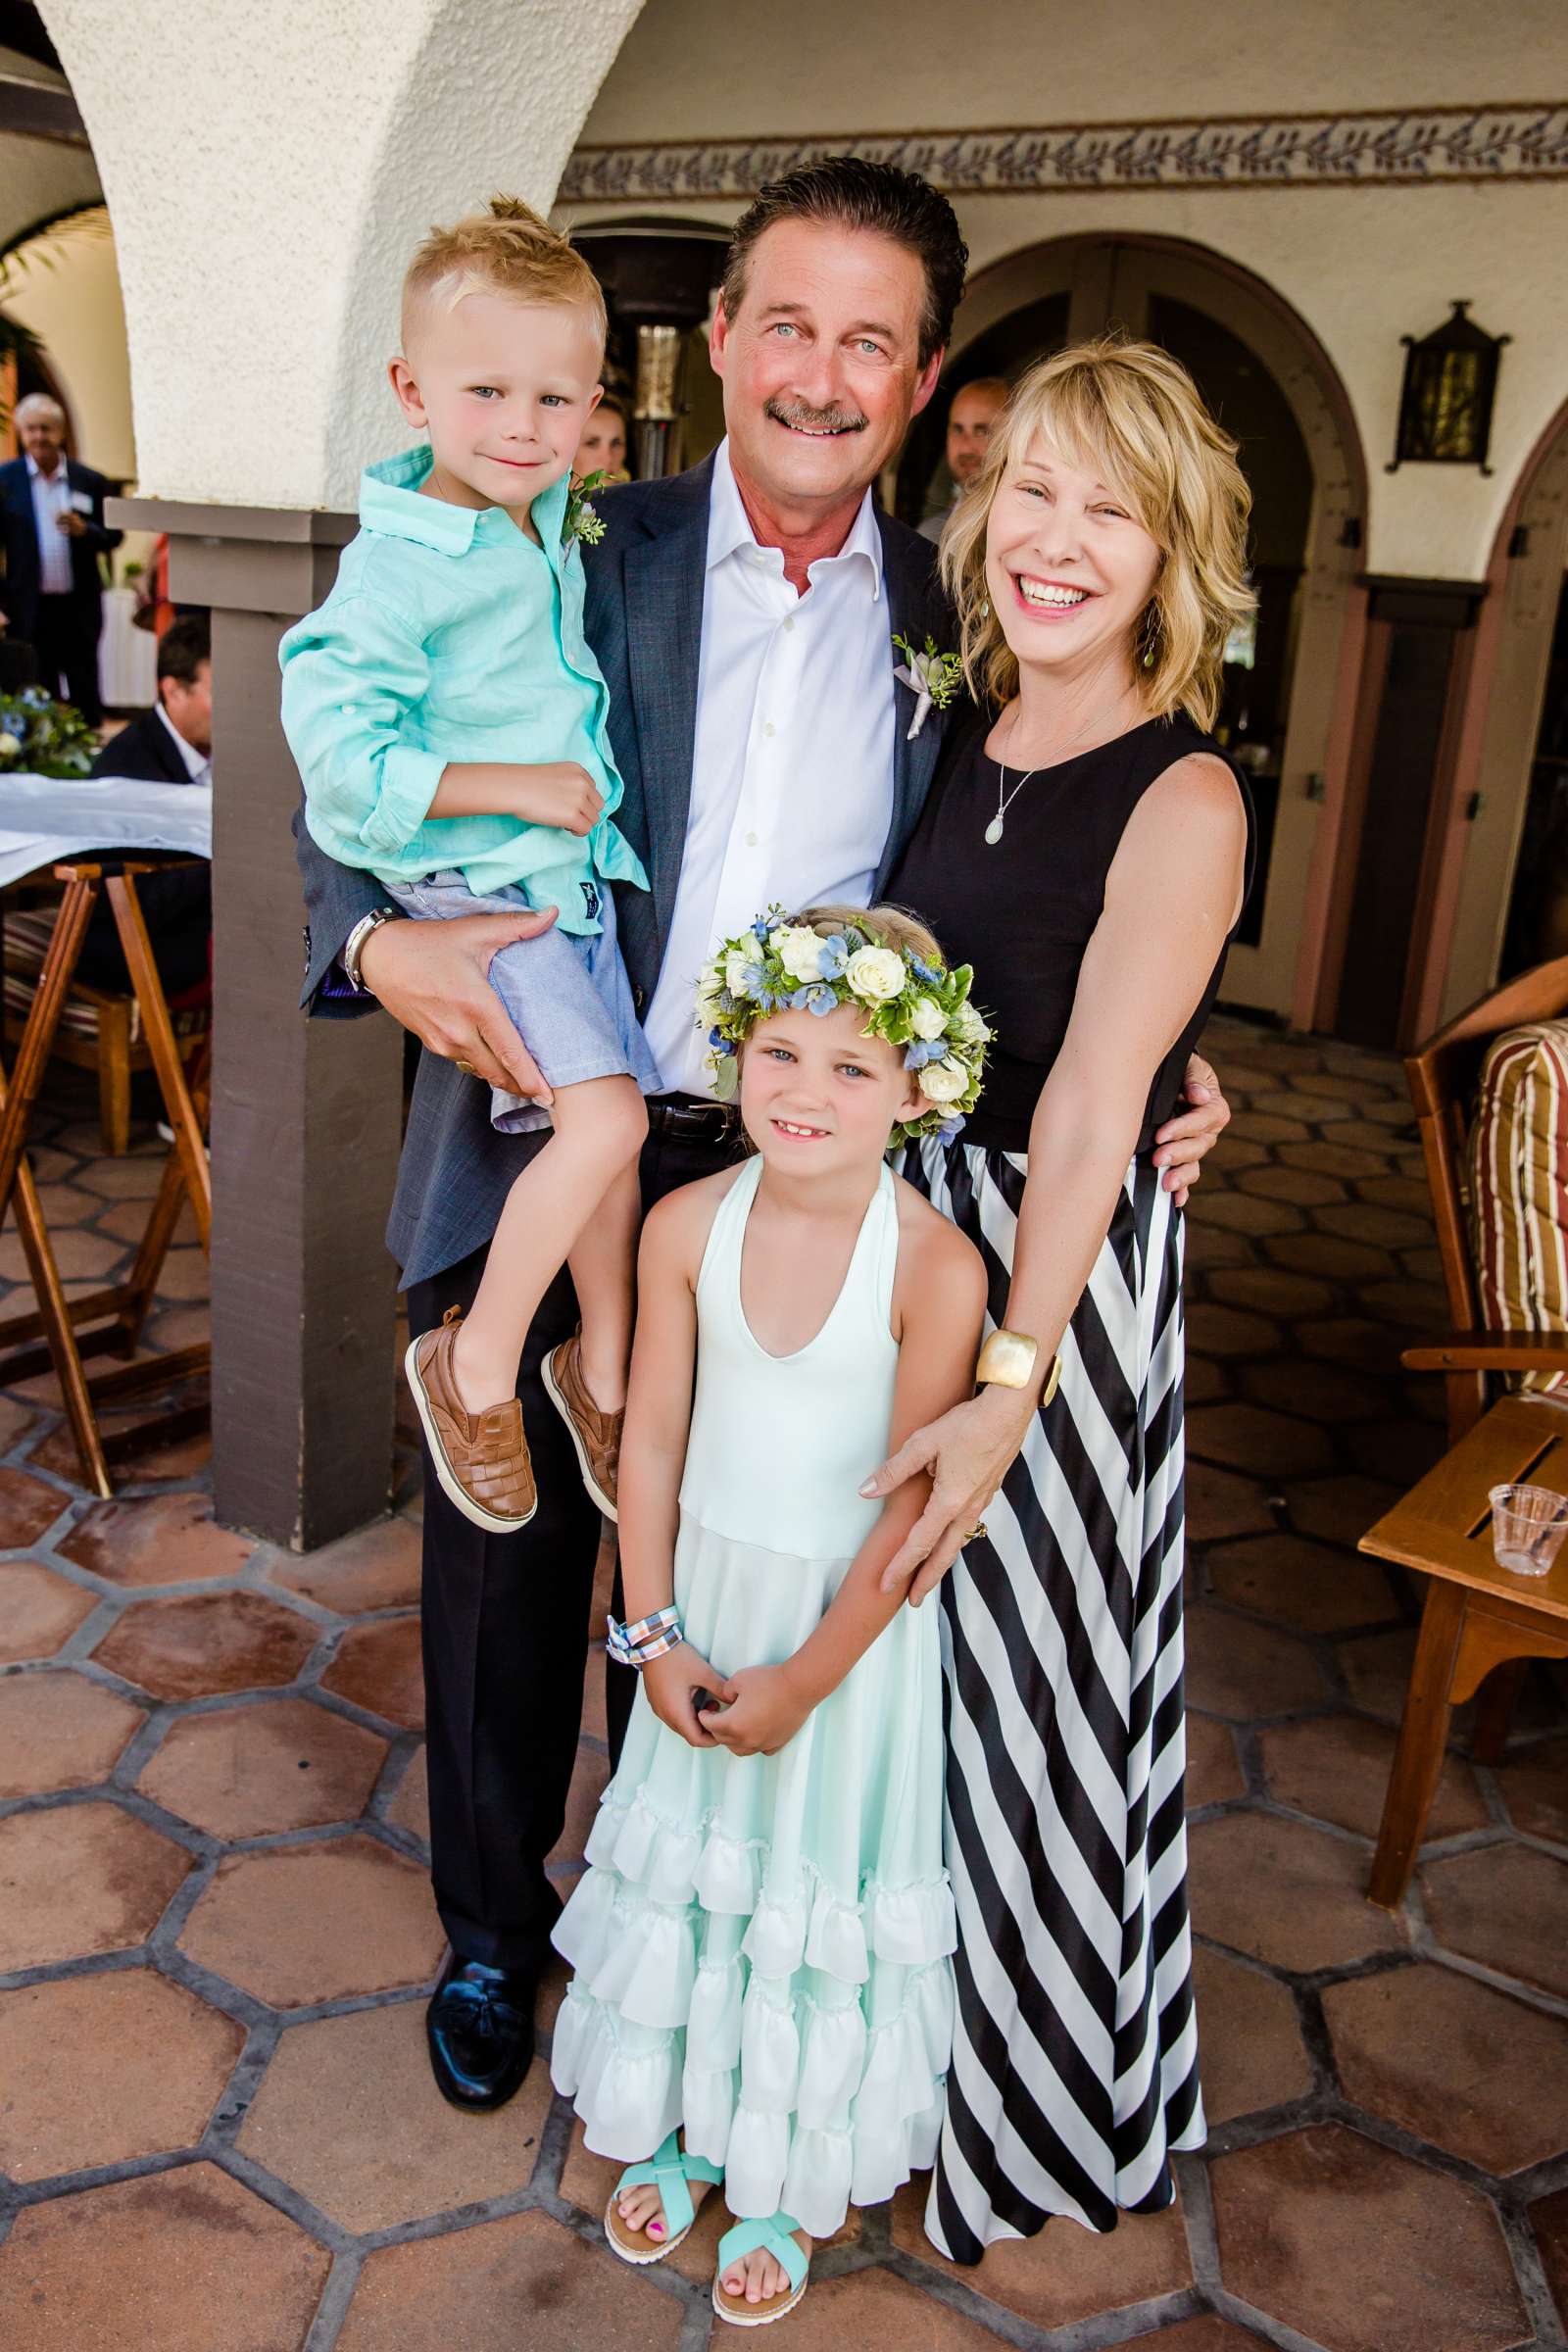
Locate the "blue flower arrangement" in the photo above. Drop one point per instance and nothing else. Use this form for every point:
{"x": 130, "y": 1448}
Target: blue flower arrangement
{"x": 921, "y": 1006}
{"x": 41, "y": 737}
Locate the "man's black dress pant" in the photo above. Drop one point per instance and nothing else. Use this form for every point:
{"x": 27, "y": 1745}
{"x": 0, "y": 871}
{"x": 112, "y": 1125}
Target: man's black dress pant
{"x": 506, "y": 1642}
{"x": 66, "y": 640}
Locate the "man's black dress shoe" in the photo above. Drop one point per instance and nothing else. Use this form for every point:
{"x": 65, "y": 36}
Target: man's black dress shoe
{"x": 480, "y": 2027}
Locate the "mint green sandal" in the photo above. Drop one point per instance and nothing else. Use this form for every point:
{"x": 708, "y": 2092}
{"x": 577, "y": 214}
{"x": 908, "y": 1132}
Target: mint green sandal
{"x": 668, "y": 2170}
{"x": 768, "y": 2237}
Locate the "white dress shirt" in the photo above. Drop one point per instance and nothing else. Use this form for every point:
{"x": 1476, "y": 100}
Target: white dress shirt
{"x": 197, "y": 764}
{"x": 51, "y": 498}
{"x": 792, "y": 766}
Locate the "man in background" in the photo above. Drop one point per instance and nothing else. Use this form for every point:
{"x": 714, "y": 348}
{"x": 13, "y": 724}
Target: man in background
{"x": 975, "y": 411}
{"x": 170, "y": 744}
{"x": 52, "y": 534}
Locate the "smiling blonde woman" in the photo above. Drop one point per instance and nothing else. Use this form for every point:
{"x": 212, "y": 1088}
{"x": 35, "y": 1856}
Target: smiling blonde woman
{"x": 1089, "y": 849}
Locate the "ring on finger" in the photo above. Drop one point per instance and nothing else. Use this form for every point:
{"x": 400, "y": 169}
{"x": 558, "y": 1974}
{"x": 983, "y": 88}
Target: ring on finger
{"x": 975, "y": 1532}
{"x": 467, "y": 1067}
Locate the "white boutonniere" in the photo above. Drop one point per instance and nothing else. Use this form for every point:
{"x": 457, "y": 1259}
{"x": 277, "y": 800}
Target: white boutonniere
{"x": 582, "y": 520}
{"x": 934, "y": 678}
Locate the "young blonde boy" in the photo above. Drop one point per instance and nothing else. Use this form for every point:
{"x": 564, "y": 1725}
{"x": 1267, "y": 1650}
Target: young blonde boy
{"x": 448, "y": 718}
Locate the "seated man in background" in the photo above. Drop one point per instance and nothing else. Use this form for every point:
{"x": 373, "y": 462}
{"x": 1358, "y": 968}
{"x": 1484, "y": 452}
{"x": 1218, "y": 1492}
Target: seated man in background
{"x": 170, "y": 744}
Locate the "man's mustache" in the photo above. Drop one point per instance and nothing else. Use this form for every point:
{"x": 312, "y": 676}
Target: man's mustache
{"x": 801, "y": 417}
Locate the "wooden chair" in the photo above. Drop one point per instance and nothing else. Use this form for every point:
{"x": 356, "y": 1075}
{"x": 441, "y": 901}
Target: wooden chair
{"x": 1444, "y": 1076}
{"x": 97, "y": 1031}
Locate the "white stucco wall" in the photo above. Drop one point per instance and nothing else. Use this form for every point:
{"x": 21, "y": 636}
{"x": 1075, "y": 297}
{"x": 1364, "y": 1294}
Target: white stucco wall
{"x": 1362, "y": 265}
{"x": 269, "y": 168}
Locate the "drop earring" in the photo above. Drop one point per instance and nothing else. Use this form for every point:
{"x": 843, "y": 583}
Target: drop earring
{"x": 985, "y": 609}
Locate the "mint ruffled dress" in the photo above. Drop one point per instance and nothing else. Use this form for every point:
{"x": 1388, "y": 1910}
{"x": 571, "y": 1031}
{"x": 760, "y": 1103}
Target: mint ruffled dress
{"x": 762, "y": 1944}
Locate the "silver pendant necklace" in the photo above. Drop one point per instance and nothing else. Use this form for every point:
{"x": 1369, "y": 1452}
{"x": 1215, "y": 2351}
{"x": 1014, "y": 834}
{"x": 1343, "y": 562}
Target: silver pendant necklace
{"x": 1005, "y": 799}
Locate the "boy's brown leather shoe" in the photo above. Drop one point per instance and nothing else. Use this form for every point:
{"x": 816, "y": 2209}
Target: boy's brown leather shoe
{"x": 480, "y": 1459}
{"x": 596, "y": 1434}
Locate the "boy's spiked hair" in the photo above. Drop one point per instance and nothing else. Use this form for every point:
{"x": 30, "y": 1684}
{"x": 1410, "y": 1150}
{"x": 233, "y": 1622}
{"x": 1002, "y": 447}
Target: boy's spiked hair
{"x": 507, "y": 250}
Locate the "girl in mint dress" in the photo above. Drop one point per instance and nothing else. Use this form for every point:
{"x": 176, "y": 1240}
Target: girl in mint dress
{"x": 762, "y": 1986}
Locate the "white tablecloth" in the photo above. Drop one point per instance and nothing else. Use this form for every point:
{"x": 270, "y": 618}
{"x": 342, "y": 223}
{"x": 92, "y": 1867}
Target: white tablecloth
{"x": 128, "y": 656}
{"x": 45, "y": 818}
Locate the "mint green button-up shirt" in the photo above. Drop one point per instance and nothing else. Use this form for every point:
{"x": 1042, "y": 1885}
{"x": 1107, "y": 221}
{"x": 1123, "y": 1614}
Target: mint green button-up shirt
{"x": 450, "y": 637}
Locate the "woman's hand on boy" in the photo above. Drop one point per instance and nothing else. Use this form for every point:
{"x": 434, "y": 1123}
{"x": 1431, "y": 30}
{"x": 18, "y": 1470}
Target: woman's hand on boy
{"x": 672, "y": 1683}
{"x": 435, "y": 979}
{"x": 764, "y": 1709}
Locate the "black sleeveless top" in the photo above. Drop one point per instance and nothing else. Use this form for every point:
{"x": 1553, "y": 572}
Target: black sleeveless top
{"x": 1022, "y": 911}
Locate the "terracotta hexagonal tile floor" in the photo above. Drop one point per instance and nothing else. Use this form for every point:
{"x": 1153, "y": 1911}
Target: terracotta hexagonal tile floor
{"x": 200, "y": 2262}
{"x": 316, "y": 1923}
{"x": 27, "y": 1508}
{"x": 1249, "y": 2038}
{"x": 77, "y": 1879}
{"x": 1338, "y": 1768}
{"x": 1067, "y": 2272}
{"x": 214, "y": 1642}
{"x": 379, "y": 1668}
{"x": 60, "y": 1731}
{"x": 1361, "y": 2250}
{"x": 1289, "y": 1329}
{"x": 1282, "y": 1893}
{"x": 1455, "y": 2063}
{"x": 99, "y": 2069}
{"x": 164, "y": 1539}
{"x": 349, "y": 2116}
{"x": 1506, "y": 1906}
{"x": 38, "y": 1610}
{"x": 244, "y": 1771}
{"x": 378, "y": 1568}
{"x": 473, "y": 2288}
{"x": 1318, "y": 1588}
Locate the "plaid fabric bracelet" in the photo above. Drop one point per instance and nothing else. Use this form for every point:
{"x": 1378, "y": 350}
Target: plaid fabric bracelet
{"x": 649, "y": 1638}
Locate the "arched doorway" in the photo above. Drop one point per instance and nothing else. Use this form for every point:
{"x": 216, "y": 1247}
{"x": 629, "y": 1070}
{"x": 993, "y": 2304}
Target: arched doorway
{"x": 1506, "y": 851}
{"x": 1290, "y": 684}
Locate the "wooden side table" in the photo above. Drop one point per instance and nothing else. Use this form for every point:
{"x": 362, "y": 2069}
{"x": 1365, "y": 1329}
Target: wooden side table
{"x": 62, "y": 1331}
{"x": 1477, "y": 1615}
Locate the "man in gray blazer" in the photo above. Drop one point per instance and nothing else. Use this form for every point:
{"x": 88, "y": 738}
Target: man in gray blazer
{"x": 743, "y": 616}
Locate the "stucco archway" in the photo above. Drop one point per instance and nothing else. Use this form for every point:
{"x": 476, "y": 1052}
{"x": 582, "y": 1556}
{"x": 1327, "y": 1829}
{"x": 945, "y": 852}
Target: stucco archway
{"x": 259, "y": 306}
{"x": 1080, "y": 286}
{"x": 1501, "y": 716}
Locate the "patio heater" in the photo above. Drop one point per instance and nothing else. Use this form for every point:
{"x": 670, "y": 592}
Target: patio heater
{"x": 658, "y": 281}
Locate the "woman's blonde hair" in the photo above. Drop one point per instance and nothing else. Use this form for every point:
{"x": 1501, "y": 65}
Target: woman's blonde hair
{"x": 1134, "y": 413}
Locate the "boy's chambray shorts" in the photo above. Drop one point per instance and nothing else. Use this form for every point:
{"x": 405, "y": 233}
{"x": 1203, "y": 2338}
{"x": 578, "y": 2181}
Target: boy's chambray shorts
{"x": 568, "y": 997}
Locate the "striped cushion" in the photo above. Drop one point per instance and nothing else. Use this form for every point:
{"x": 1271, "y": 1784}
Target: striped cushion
{"x": 1519, "y": 1186}
{"x": 26, "y": 943}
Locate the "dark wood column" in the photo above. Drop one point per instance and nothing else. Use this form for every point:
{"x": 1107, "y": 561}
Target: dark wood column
{"x": 1420, "y": 639}
{"x": 305, "y": 1114}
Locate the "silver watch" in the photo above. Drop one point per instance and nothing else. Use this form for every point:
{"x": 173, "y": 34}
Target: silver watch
{"x": 353, "y": 946}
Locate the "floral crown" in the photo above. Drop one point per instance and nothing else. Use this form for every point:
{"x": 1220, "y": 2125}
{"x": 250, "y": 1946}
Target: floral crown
{"x": 921, "y": 1006}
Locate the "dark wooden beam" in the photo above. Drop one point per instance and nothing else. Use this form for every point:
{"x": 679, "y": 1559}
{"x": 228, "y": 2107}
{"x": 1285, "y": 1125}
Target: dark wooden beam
{"x": 307, "y": 1116}
{"x": 30, "y": 110}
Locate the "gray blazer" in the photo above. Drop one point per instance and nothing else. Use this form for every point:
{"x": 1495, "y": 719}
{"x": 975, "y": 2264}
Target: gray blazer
{"x": 643, "y": 615}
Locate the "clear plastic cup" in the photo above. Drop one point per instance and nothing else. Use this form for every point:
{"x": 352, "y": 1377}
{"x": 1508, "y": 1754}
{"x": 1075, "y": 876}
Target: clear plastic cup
{"x": 1528, "y": 1526}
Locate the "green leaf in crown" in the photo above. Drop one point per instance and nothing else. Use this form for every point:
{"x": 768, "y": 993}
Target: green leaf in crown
{"x": 922, "y": 1008}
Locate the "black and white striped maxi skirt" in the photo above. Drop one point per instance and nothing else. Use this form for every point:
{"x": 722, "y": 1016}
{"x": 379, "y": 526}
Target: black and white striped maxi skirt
{"x": 1075, "y": 2057}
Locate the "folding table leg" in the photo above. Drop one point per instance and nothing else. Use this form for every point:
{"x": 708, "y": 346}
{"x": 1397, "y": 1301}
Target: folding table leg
{"x": 143, "y": 968}
{"x": 1423, "y": 1735}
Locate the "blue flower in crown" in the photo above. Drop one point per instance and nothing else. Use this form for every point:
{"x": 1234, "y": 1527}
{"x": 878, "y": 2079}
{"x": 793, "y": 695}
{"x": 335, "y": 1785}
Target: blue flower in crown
{"x": 917, "y": 1005}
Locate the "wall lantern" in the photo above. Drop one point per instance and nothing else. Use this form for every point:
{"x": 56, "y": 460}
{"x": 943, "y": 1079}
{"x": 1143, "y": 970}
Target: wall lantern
{"x": 1451, "y": 381}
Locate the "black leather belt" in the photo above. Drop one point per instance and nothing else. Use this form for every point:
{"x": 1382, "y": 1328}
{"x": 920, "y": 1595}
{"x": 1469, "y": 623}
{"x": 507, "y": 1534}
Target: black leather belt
{"x": 690, "y": 1117}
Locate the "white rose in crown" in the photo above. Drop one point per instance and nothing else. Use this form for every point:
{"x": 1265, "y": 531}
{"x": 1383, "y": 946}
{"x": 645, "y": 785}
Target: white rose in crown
{"x": 876, "y": 974}
{"x": 972, "y": 1030}
{"x": 736, "y": 966}
{"x": 943, "y": 1081}
{"x": 799, "y": 950}
{"x": 927, "y": 1019}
